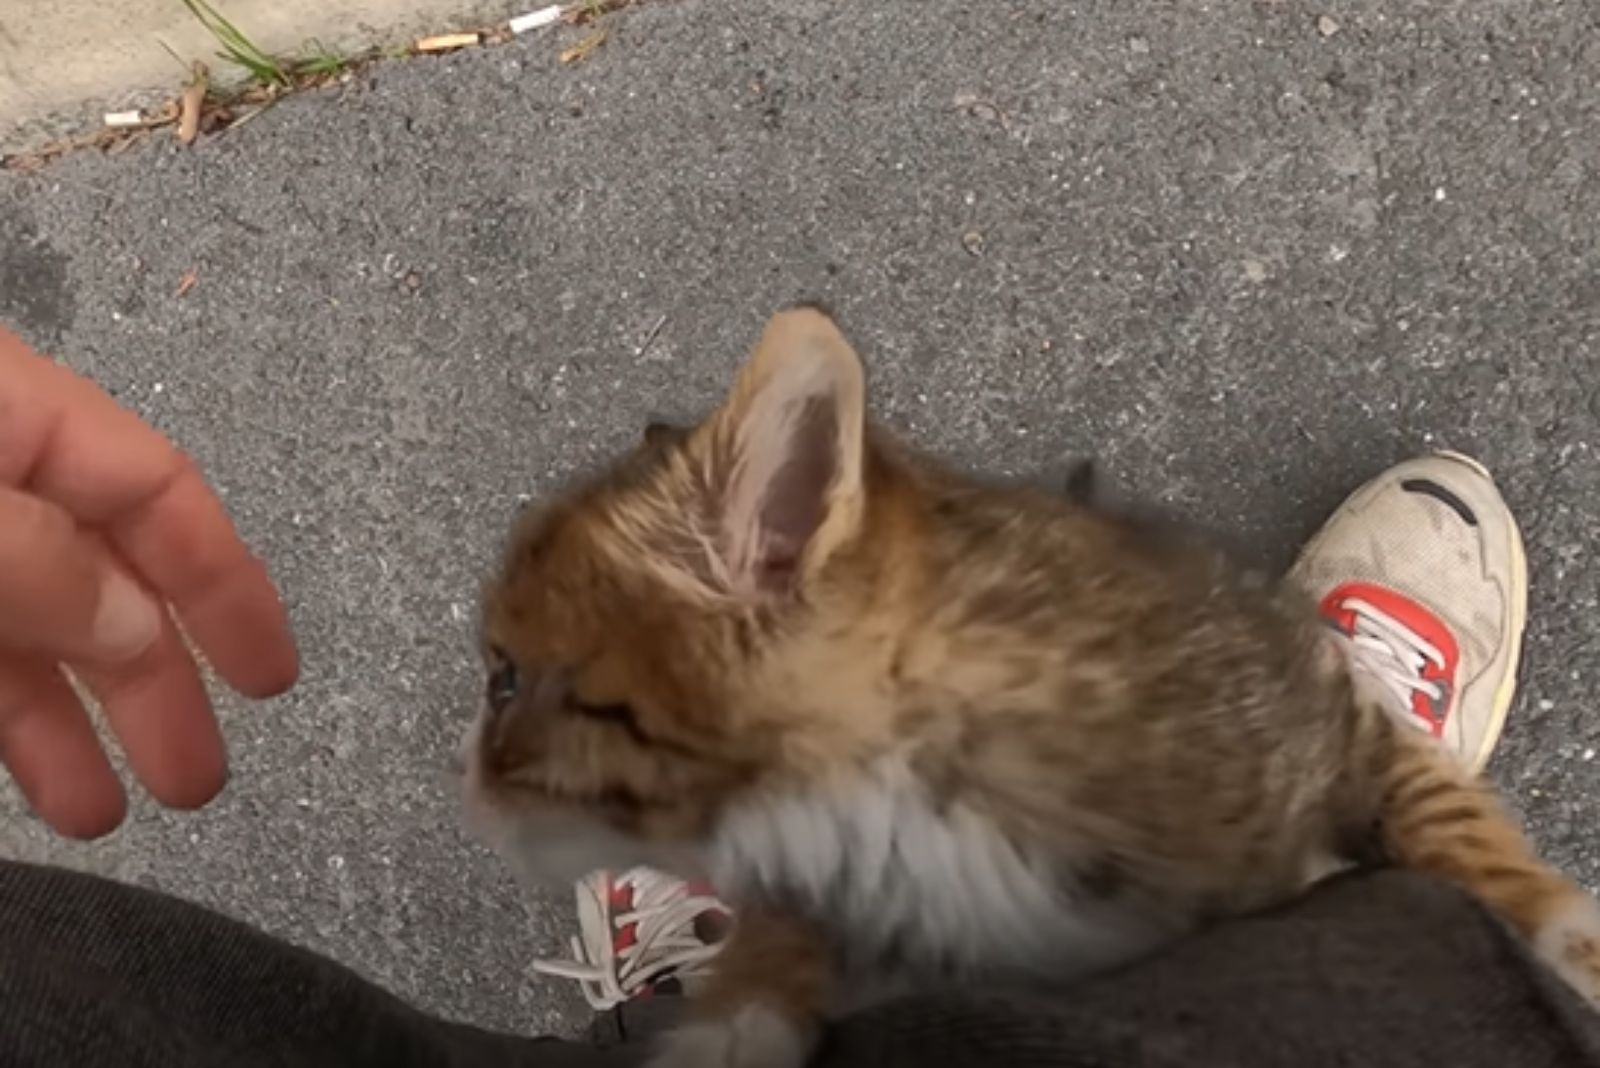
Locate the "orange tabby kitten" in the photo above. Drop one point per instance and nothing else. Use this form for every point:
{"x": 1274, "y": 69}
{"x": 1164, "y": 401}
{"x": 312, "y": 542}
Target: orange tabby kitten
{"x": 920, "y": 730}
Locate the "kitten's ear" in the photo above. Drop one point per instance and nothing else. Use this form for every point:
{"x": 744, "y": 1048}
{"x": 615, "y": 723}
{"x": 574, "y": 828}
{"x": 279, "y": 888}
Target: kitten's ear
{"x": 785, "y": 454}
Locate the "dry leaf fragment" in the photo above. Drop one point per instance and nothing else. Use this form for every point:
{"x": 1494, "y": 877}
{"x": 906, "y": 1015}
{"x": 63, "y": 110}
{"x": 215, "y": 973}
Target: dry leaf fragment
{"x": 191, "y": 104}
{"x": 448, "y": 42}
{"x": 189, "y": 281}
{"x": 215, "y": 119}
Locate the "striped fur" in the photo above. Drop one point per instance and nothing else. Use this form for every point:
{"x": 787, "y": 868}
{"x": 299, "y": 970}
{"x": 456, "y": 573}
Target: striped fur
{"x": 864, "y": 692}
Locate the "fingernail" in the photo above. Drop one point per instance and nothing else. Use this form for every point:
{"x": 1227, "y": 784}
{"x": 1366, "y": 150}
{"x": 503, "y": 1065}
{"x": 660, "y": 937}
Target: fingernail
{"x": 127, "y": 621}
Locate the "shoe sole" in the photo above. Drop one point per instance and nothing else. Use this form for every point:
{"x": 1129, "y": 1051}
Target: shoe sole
{"x": 1516, "y": 622}
{"x": 1516, "y": 617}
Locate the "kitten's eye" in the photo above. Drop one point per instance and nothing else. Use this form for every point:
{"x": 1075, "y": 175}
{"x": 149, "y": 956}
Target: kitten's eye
{"x": 502, "y": 682}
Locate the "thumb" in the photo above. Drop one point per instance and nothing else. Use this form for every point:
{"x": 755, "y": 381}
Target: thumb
{"x": 61, "y": 592}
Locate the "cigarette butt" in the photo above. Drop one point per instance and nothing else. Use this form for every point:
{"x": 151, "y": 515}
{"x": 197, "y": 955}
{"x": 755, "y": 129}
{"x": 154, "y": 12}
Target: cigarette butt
{"x": 545, "y": 16}
{"x": 124, "y": 118}
{"x": 447, "y": 42}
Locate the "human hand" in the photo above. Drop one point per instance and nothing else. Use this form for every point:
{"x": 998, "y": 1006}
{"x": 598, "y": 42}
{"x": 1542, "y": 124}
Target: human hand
{"x": 106, "y": 533}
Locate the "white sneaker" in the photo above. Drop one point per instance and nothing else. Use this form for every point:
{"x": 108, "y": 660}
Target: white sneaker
{"x": 638, "y": 930}
{"x": 1422, "y": 570}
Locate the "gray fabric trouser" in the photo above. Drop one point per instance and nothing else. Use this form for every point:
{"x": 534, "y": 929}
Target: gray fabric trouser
{"x": 1371, "y": 970}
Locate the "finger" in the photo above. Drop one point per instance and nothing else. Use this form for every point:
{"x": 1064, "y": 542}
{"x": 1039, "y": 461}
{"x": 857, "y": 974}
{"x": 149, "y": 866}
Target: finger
{"x": 48, "y": 743}
{"x": 159, "y": 711}
{"x": 65, "y": 440}
{"x": 183, "y": 545}
{"x": 60, "y": 593}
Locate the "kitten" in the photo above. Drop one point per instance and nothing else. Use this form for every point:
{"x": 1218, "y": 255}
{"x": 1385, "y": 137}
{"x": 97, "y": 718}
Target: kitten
{"x": 922, "y": 731}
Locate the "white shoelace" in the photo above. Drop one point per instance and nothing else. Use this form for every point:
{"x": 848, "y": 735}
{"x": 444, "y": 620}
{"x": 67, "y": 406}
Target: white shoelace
{"x": 665, "y": 940}
{"x": 1394, "y": 655}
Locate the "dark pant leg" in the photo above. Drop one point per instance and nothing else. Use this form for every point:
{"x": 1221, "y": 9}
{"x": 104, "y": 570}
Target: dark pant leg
{"x": 93, "y": 973}
{"x": 1371, "y": 971}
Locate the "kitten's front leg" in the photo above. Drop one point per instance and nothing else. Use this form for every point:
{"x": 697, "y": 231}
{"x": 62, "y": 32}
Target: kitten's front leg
{"x": 762, "y": 1005}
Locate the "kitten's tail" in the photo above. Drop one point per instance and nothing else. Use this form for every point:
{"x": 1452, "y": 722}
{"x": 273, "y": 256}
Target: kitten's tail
{"x": 1435, "y": 816}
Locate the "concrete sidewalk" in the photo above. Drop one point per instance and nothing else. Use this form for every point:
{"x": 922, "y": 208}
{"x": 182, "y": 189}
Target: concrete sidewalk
{"x": 64, "y": 64}
{"x": 1246, "y": 262}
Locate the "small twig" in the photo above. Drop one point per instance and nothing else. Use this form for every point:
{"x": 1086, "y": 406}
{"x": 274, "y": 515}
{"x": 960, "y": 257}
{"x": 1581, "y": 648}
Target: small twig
{"x": 247, "y": 116}
{"x": 585, "y": 47}
{"x": 650, "y": 338}
{"x": 122, "y": 144}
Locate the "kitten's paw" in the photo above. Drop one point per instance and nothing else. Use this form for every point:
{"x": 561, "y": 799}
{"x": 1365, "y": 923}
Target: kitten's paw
{"x": 754, "y": 1036}
{"x": 1570, "y": 943}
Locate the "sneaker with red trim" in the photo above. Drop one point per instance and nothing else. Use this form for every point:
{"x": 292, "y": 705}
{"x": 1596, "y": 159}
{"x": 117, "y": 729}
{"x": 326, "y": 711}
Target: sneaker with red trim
{"x": 1422, "y": 571}
{"x": 640, "y": 933}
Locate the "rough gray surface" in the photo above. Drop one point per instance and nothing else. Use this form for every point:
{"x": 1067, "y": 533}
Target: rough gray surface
{"x": 61, "y": 70}
{"x": 1246, "y": 262}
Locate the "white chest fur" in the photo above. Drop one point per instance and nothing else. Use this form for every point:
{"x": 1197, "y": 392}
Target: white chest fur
{"x": 929, "y": 892}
